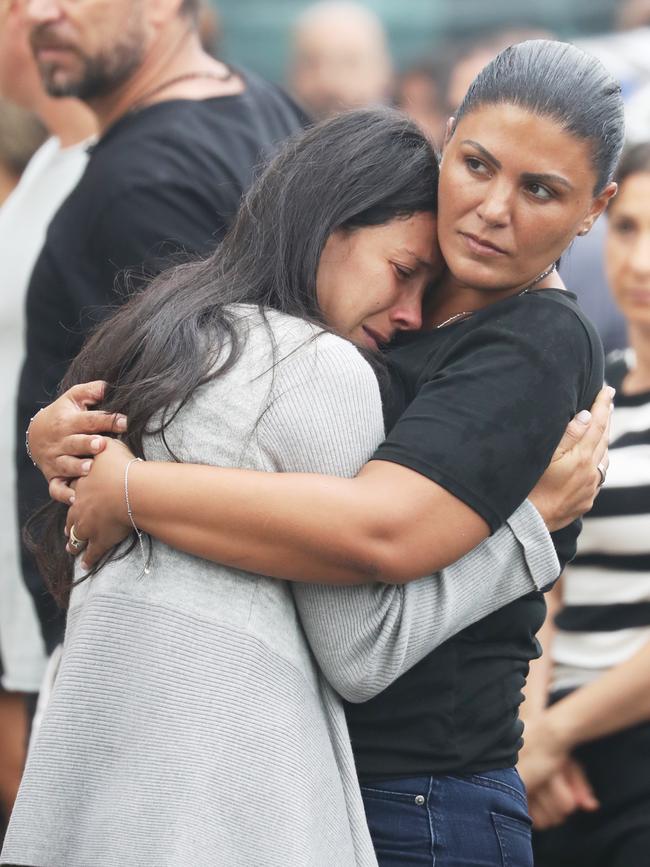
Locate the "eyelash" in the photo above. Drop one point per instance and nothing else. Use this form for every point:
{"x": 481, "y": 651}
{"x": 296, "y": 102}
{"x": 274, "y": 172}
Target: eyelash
{"x": 402, "y": 272}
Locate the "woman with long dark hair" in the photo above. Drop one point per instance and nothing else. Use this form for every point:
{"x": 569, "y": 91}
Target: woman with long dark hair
{"x": 189, "y": 722}
{"x": 492, "y": 389}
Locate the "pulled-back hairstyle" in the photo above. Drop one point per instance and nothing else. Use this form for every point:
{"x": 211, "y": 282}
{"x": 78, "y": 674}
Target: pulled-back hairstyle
{"x": 635, "y": 160}
{"x": 559, "y": 81}
{"x": 363, "y": 168}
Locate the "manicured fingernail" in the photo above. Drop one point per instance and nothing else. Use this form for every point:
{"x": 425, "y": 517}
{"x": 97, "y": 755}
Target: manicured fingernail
{"x": 85, "y": 467}
{"x": 71, "y": 500}
{"x": 611, "y": 391}
{"x": 66, "y": 531}
{"x": 584, "y": 417}
{"x": 120, "y": 422}
{"x": 95, "y": 444}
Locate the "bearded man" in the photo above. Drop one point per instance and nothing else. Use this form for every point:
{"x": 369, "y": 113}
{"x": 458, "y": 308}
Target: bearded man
{"x": 180, "y": 135}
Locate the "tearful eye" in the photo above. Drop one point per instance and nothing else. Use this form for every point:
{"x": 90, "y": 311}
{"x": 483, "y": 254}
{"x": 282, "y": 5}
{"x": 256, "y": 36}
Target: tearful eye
{"x": 402, "y": 272}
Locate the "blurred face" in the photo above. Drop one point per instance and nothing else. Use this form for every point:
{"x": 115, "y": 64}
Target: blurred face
{"x": 19, "y": 82}
{"x": 371, "y": 281}
{"x": 86, "y": 48}
{"x": 514, "y": 191}
{"x": 627, "y": 252}
{"x": 339, "y": 65}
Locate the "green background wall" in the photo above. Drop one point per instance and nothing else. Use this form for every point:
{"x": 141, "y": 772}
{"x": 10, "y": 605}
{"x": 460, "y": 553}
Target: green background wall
{"x": 256, "y": 32}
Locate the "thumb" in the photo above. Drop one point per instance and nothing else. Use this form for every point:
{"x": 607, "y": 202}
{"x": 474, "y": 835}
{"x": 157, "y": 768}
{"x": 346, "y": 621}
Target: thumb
{"x": 576, "y": 429}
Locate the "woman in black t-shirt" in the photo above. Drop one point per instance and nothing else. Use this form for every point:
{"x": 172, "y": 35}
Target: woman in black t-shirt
{"x": 488, "y": 393}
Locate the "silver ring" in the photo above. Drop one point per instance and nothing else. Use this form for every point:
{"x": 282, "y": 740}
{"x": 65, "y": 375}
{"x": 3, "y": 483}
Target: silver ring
{"x": 75, "y": 542}
{"x": 603, "y": 474}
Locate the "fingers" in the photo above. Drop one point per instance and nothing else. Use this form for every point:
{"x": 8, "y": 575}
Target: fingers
{"x": 91, "y": 556}
{"x": 581, "y": 787}
{"x": 600, "y": 415}
{"x": 553, "y": 803}
{"x": 97, "y": 422}
{"x": 576, "y": 429}
{"x": 61, "y": 491}
{"x": 87, "y": 393}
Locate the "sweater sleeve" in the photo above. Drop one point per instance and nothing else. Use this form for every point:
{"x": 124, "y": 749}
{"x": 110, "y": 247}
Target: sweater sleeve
{"x": 326, "y": 417}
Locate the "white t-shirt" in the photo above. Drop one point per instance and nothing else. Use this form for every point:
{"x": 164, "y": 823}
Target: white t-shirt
{"x": 24, "y": 217}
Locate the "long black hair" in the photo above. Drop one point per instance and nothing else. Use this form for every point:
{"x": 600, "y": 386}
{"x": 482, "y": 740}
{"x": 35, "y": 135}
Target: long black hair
{"x": 363, "y": 168}
{"x": 562, "y": 82}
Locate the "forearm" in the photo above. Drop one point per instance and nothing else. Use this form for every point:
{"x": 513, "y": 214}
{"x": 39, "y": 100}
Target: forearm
{"x": 616, "y": 701}
{"x": 365, "y": 637}
{"x": 306, "y": 527}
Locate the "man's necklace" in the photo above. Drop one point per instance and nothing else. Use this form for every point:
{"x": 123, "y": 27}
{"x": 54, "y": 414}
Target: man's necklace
{"x": 185, "y": 76}
{"x": 466, "y": 313}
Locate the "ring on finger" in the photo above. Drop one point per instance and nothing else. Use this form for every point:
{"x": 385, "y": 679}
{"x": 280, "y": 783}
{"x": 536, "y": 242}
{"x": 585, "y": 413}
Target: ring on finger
{"x": 75, "y": 542}
{"x": 603, "y": 475}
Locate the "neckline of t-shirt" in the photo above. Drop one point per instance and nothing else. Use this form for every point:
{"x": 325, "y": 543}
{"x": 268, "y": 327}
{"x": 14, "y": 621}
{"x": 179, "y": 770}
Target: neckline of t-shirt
{"x": 164, "y": 104}
{"x": 484, "y": 311}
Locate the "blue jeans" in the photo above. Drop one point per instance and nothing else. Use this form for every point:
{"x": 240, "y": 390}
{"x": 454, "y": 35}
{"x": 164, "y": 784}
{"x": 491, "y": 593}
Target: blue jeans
{"x": 479, "y": 820}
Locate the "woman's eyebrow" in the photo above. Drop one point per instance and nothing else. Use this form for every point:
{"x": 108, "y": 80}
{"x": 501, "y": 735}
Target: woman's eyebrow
{"x": 535, "y": 178}
{"x": 484, "y": 153}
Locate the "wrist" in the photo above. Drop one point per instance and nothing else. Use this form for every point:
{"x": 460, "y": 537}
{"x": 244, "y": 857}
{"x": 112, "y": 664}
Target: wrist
{"x": 544, "y": 506}
{"x": 31, "y": 439}
{"x": 560, "y": 728}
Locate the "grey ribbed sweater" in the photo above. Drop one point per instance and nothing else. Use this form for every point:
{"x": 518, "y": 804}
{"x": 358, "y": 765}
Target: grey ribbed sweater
{"x": 190, "y": 724}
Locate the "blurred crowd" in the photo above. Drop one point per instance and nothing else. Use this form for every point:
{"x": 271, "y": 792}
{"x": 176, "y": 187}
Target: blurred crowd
{"x": 340, "y": 59}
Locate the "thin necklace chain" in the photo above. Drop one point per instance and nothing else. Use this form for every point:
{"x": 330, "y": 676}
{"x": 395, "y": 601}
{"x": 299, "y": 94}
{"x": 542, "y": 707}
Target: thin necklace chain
{"x": 185, "y": 76}
{"x": 466, "y": 313}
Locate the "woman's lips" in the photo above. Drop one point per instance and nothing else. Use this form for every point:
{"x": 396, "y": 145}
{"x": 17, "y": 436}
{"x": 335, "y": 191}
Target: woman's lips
{"x": 480, "y": 246}
{"x": 376, "y": 340}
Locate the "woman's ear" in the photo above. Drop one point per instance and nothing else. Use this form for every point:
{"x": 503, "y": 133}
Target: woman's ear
{"x": 598, "y": 205}
{"x": 449, "y": 131}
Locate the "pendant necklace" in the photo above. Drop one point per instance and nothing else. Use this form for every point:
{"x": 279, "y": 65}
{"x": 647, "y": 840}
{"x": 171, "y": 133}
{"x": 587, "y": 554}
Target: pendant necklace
{"x": 465, "y": 314}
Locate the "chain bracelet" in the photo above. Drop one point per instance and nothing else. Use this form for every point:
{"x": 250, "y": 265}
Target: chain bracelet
{"x": 27, "y": 448}
{"x": 136, "y": 529}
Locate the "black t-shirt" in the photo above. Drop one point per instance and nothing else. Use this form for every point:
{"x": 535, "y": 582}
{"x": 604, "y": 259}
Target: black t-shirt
{"x": 161, "y": 184}
{"x": 487, "y": 401}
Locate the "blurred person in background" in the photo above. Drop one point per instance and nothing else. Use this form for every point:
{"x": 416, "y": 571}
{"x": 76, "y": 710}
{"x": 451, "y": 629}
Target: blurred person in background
{"x": 180, "y": 136}
{"x": 339, "y": 59}
{"x": 21, "y": 134}
{"x": 27, "y": 115}
{"x": 210, "y": 32}
{"x": 632, "y": 13}
{"x": 596, "y": 669}
{"x": 419, "y": 92}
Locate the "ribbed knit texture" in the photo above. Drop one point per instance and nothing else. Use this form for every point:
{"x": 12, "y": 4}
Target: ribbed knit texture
{"x": 189, "y": 724}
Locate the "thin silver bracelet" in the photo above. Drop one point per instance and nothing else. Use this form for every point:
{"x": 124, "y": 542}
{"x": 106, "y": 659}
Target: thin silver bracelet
{"x": 27, "y": 448}
{"x": 138, "y": 532}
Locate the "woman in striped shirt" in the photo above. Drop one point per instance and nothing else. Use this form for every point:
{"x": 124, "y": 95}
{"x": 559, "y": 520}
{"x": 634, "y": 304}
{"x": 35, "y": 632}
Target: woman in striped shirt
{"x": 588, "y": 754}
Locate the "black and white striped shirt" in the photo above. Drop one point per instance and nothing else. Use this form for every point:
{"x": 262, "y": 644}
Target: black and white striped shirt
{"x": 606, "y": 618}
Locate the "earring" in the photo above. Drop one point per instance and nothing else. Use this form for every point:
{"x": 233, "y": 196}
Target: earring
{"x": 584, "y": 232}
